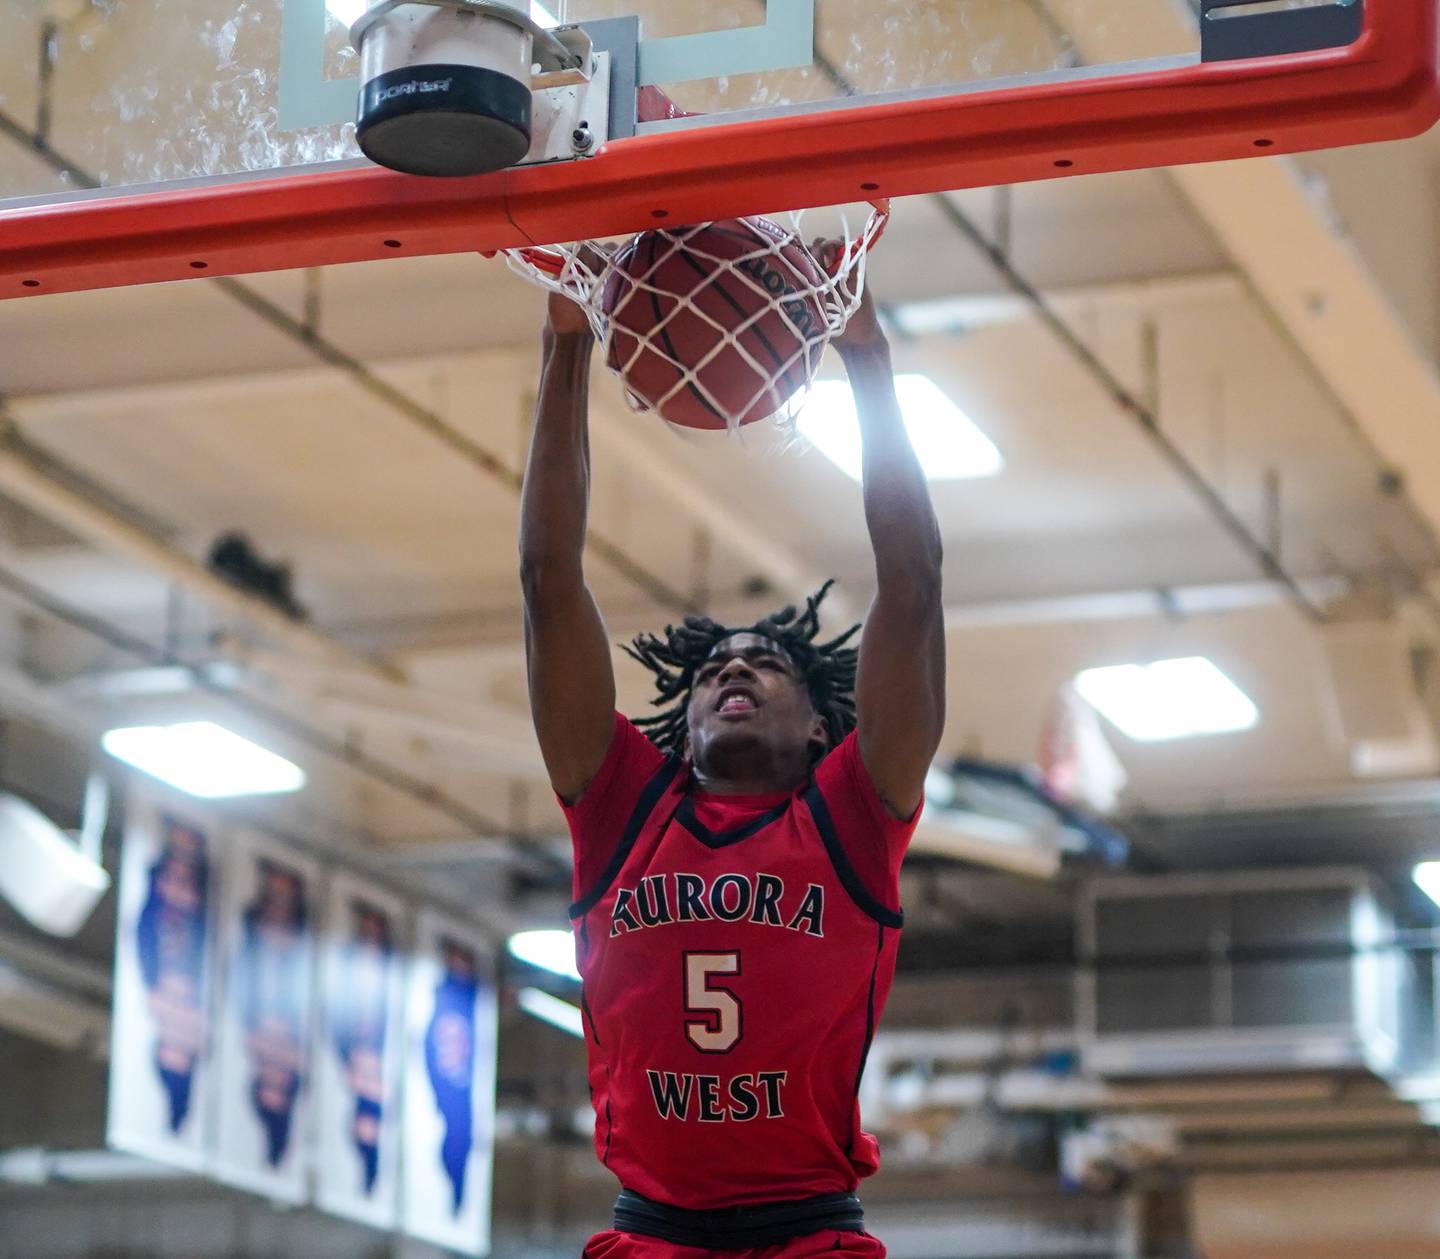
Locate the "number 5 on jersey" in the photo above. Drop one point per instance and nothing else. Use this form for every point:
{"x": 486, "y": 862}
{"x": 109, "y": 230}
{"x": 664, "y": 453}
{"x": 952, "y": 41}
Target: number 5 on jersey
{"x": 721, "y": 1022}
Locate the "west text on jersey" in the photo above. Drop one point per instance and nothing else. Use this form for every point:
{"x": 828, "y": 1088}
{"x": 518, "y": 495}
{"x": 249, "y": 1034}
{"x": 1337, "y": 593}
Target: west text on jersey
{"x": 715, "y": 1099}
{"x": 665, "y": 899}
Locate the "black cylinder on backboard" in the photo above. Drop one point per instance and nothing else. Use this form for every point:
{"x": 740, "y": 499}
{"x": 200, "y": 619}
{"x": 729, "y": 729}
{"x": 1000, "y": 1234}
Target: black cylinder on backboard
{"x": 444, "y": 120}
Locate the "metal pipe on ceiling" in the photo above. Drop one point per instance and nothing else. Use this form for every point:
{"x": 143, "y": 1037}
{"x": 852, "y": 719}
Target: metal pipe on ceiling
{"x": 756, "y": 544}
{"x": 1267, "y": 562}
{"x": 29, "y": 477}
{"x": 423, "y": 417}
{"x": 641, "y": 450}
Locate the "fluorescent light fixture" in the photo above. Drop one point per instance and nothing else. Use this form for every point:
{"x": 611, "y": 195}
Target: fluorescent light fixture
{"x": 204, "y": 759}
{"x": 1427, "y": 879}
{"x": 945, "y": 439}
{"x": 1168, "y": 699}
{"x": 348, "y": 12}
{"x": 550, "y": 950}
{"x": 552, "y": 1010}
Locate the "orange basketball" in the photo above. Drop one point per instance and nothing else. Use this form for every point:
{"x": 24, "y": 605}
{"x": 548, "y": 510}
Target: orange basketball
{"x": 672, "y": 297}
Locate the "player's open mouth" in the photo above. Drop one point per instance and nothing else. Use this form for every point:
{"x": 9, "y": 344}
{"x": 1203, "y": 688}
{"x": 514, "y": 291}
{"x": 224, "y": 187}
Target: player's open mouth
{"x": 736, "y": 699}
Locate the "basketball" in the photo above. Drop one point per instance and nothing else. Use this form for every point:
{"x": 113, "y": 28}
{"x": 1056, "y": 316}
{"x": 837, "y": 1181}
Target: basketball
{"x": 719, "y": 320}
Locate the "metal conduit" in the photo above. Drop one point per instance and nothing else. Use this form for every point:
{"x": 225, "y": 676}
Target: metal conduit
{"x": 423, "y": 417}
{"x": 1265, "y": 559}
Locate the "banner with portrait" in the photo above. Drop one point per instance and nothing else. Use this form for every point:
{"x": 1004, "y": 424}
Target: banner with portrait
{"x": 358, "y": 1053}
{"x": 161, "y": 1043}
{"x": 264, "y": 1018}
{"x": 449, "y": 1114}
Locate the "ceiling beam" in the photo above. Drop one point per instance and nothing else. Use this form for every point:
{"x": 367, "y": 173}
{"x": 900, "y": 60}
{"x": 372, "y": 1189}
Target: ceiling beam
{"x": 1307, "y": 272}
{"x": 638, "y": 450}
{"x": 1299, "y": 264}
{"x": 29, "y": 479}
{"x": 941, "y": 315}
{"x": 731, "y": 530}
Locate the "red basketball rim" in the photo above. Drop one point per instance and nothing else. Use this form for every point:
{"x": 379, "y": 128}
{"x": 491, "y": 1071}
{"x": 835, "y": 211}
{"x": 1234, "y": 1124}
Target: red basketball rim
{"x": 552, "y": 261}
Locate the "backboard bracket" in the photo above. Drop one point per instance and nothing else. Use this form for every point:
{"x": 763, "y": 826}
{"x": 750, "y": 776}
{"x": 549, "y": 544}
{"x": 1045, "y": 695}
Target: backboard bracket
{"x": 569, "y": 117}
{"x": 619, "y": 39}
{"x": 1234, "y": 30}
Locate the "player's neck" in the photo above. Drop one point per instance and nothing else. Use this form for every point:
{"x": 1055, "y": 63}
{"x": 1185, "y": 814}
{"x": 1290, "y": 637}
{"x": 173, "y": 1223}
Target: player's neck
{"x": 744, "y": 775}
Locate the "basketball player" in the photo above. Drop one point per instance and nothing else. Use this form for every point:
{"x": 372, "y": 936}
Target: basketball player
{"x": 737, "y": 869}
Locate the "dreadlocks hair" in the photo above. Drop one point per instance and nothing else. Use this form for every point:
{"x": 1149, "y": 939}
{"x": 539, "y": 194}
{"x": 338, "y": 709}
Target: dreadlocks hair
{"x": 828, "y": 669}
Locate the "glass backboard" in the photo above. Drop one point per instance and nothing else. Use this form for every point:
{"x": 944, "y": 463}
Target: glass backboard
{"x": 226, "y": 126}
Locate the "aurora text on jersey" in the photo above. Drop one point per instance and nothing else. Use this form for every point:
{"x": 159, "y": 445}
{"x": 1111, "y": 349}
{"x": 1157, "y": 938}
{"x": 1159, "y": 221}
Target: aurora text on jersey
{"x": 660, "y": 900}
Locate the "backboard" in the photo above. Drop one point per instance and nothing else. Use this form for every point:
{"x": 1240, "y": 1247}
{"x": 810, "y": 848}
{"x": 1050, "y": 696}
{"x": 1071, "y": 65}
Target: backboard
{"x": 220, "y": 132}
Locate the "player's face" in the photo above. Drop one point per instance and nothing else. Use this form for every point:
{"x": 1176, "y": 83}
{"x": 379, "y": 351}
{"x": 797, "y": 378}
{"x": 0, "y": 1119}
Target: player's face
{"x": 460, "y": 964}
{"x": 280, "y": 897}
{"x": 749, "y": 692}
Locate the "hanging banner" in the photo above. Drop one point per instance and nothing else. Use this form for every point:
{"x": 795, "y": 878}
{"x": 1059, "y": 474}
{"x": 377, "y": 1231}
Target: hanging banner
{"x": 263, "y": 1024}
{"x": 359, "y": 1052}
{"x": 161, "y": 1068}
{"x": 449, "y": 1113}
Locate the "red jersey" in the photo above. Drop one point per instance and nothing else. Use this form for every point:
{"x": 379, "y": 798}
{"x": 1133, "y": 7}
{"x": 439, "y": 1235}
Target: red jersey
{"x": 737, "y": 952}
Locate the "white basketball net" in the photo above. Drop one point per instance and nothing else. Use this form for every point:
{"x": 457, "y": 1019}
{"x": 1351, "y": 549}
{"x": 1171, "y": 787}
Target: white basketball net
{"x": 814, "y": 305}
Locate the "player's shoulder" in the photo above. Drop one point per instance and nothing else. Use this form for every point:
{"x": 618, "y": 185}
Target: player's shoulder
{"x": 863, "y": 840}
{"x": 841, "y": 766}
{"x": 631, "y": 760}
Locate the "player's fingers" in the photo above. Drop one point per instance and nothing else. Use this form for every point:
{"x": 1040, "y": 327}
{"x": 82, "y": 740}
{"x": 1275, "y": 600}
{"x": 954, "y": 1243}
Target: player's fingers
{"x": 592, "y": 257}
{"x": 826, "y": 251}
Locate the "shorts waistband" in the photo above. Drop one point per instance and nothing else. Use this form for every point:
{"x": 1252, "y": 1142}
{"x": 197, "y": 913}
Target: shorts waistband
{"x": 738, "y": 1228}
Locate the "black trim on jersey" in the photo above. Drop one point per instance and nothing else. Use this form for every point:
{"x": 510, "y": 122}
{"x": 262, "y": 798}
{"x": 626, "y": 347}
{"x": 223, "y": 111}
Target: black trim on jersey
{"x": 851, "y": 881}
{"x": 609, "y": 1132}
{"x": 685, "y": 815}
{"x": 589, "y": 1018}
{"x": 644, "y": 806}
{"x": 869, "y": 1020}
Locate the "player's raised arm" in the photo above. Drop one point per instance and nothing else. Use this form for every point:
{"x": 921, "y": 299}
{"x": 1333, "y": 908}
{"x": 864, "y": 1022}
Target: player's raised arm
{"x": 900, "y": 686}
{"x": 572, "y": 681}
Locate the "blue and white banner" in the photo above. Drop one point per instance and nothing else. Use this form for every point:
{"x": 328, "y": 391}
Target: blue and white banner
{"x": 161, "y": 1064}
{"x": 359, "y": 1049}
{"x": 449, "y": 1123}
{"x": 262, "y": 1103}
